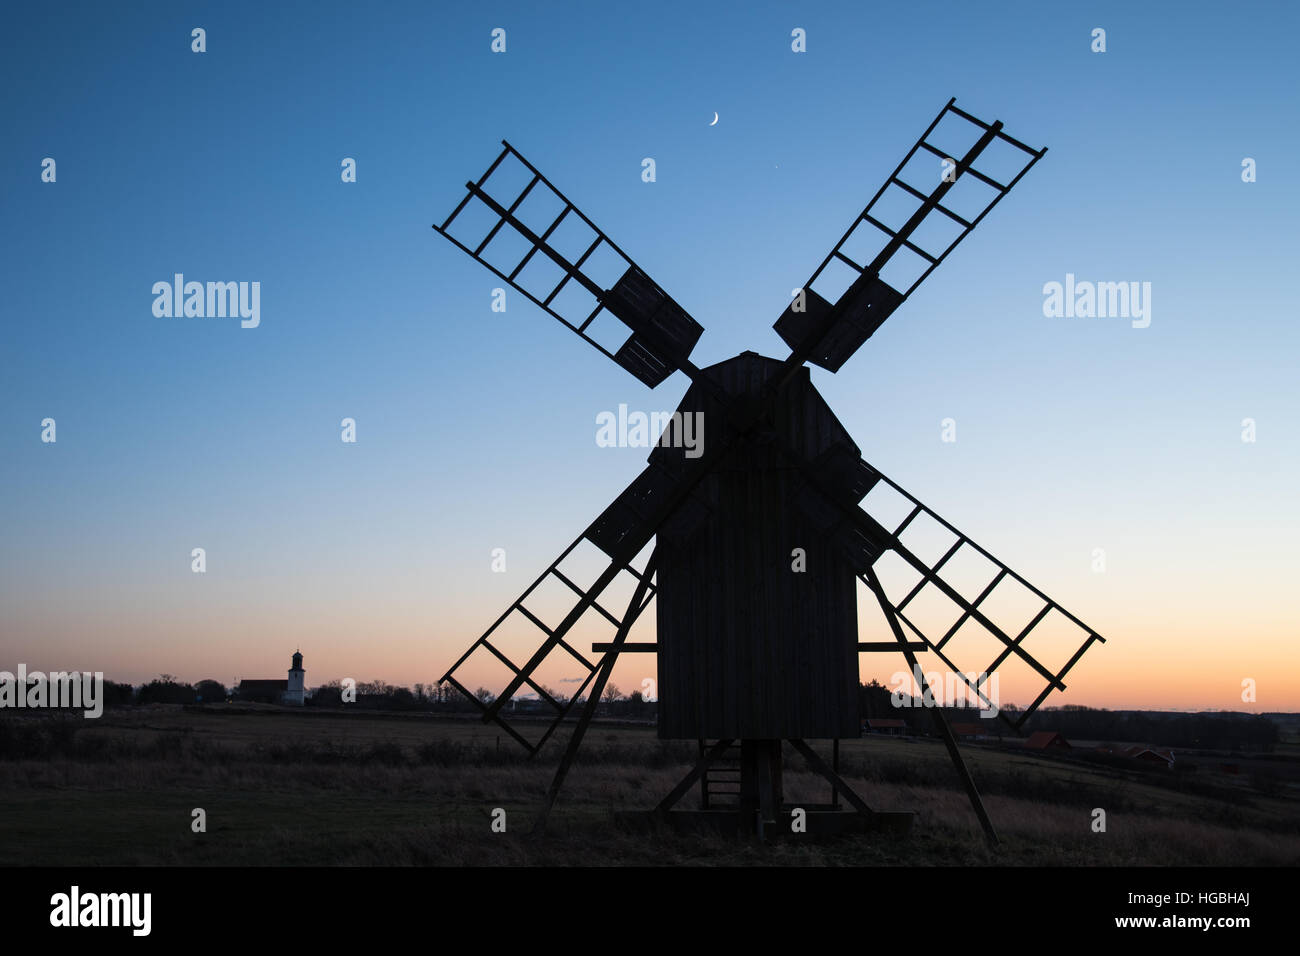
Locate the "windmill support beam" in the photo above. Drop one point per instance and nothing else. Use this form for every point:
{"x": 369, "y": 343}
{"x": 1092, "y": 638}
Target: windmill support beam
{"x": 761, "y": 810}
{"x": 818, "y": 764}
{"x": 593, "y": 699}
{"x": 940, "y": 721}
{"x": 760, "y": 781}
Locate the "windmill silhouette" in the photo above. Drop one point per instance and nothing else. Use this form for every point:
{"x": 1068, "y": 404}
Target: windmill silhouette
{"x": 756, "y": 649}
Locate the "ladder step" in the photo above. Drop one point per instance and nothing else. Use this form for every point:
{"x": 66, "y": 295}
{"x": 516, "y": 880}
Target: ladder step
{"x": 960, "y": 220}
{"x": 533, "y": 617}
{"x": 581, "y": 593}
{"x": 983, "y": 125}
{"x": 987, "y": 180}
{"x": 893, "y": 235}
{"x": 908, "y": 520}
{"x": 969, "y": 169}
{"x": 847, "y": 261}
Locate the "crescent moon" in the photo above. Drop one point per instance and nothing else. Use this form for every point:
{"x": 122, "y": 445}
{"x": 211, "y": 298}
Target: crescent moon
{"x": 715, "y": 118}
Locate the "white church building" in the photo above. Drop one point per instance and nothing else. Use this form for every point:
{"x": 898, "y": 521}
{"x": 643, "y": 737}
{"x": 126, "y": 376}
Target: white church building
{"x": 290, "y": 692}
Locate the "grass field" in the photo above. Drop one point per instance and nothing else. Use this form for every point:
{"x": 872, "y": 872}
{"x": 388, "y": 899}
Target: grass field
{"x": 282, "y": 787}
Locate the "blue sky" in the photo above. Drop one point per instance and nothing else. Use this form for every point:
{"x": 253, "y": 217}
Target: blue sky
{"x": 476, "y": 429}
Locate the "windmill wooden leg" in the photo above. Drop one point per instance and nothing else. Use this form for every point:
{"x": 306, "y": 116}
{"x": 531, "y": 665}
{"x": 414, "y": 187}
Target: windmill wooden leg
{"x": 760, "y": 782}
{"x": 748, "y": 782}
{"x": 950, "y": 741}
{"x": 836, "y": 781}
{"x": 593, "y": 699}
{"x": 940, "y": 721}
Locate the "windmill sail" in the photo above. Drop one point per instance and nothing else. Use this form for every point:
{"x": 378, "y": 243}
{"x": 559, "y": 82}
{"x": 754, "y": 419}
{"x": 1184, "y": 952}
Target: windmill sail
{"x": 516, "y": 223}
{"x": 524, "y": 625}
{"x": 969, "y": 609}
{"x": 906, "y": 230}
{"x": 537, "y": 638}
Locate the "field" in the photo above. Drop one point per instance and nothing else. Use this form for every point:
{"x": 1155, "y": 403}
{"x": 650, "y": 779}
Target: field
{"x": 281, "y": 787}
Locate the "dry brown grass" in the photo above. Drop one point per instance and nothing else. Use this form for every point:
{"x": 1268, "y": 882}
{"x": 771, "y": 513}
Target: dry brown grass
{"x": 336, "y": 790}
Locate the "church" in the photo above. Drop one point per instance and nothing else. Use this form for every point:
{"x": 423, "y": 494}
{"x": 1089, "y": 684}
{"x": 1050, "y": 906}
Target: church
{"x": 288, "y": 692}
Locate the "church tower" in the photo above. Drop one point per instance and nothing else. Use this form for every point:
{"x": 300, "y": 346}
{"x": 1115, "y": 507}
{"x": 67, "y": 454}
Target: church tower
{"x": 297, "y": 678}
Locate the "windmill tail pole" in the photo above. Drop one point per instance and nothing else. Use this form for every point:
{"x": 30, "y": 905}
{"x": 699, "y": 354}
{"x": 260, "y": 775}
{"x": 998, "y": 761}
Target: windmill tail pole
{"x": 593, "y": 699}
{"x": 940, "y": 721}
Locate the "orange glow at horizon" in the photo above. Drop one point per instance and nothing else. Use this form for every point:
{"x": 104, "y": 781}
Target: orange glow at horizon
{"x": 1181, "y": 666}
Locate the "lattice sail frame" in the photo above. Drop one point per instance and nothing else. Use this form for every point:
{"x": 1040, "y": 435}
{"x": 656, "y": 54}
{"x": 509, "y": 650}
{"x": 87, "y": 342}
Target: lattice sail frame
{"x": 663, "y": 333}
{"x": 620, "y": 535}
{"x": 870, "y": 247}
{"x": 961, "y": 598}
{"x": 554, "y": 644}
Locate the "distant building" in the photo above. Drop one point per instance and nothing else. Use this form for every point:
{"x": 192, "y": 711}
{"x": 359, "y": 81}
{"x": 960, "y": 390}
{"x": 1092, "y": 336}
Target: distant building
{"x": 290, "y": 691}
{"x": 1047, "y": 740}
{"x": 887, "y": 726}
{"x": 969, "y": 731}
{"x": 1149, "y": 755}
{"x": 530, "y": 705}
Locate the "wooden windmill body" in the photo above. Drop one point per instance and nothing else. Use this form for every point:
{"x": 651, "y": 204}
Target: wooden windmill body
{"x": 759, "y": 542}
{"x": 756, "y": 618}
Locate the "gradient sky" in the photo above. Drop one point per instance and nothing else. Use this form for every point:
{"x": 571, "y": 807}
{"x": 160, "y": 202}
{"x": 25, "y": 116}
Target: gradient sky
{"x": 476, "y": 429}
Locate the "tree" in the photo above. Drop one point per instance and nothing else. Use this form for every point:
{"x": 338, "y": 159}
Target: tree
{"x": 166, "y": 691}
{"x": 612, "y": 693}
{"x": 329, "y": 694}
{"x": 210, "y": 691}
{"x": 484, "y": 695}
{"x": 116, "y": 694}
{"x": 402, "y": 698}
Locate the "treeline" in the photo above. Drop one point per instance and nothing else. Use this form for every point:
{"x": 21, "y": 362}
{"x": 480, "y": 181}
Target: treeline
{"x": 443, "y": 698}
{"x": 375, "y": 694}
{"x": 163, "y": 690}
{"x": 1244, "y": 732}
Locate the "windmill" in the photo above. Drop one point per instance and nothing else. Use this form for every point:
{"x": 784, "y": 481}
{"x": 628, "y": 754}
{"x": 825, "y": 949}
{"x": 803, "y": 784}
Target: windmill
{"x": 754, "y": 651}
